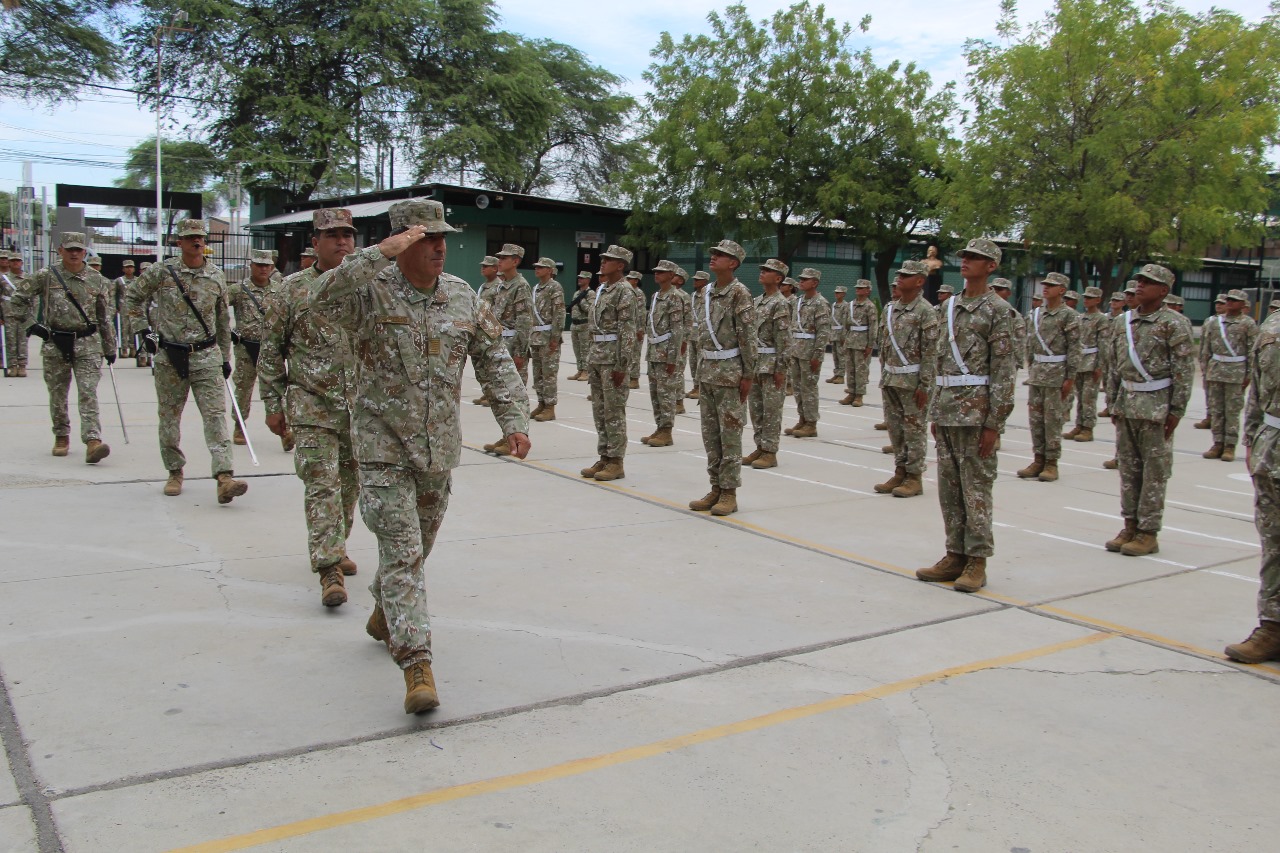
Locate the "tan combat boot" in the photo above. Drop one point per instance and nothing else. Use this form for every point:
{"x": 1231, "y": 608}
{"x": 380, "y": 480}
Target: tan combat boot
{"x": 808, "y": 430}
{"x": 1050, "y": 472}
{"x": 548, "y": 413}
{"x": 1263, "y": 645}
{"x": 661, "y": 438}
{"x": 173, "y": 485}
{"x": 727, "y": 504}
{"x": 1214, "y": 452}
{"x": 348, "y": 566}
{"x": 948, "y": 568}
{"x": 1085, "y": 435}
{"x": 1032, "y": 470}
{"x": 846, "y": 400}
{"x": 680, "y": 407}
{"x": 333, "y": 591}
{"x": 693, "y": 394}
{"x": 22, "y": 371}
{"x": 612, "y": 470}
{"x": 1204, "y": 424}
{"x": 1105, "y": 413}
{"x": 887, "y": 450}
{"x": 883, "y": 426}
{"x": 594, "y": 469}
{"x": 836, "y": 380}
{"x": 633, "y": 384}
{"x": 1228, "y": 453}
{"x": 899, "y": 475}
{"x": 1111, "y": 464}
{"x": 95, "y": 451}
{"x": 482, "y": 401}
{"x": 377, "y": 628}
{"x": 229, "y": 488}
{"x": 974, "y": 577}
{"x": 910, "y": 488}
{"x": 752, "y": 457}
{"x": 493, "y": 445}
{"x": 857, "y": 401}
{"x": 766, "y": 460}
{"x": 61, "y": 444}
{"x": 419, "y": 689}
{"x": 791, "y": 430}
{"x": 1124, "y": 537}
{"x": 707, "y": 501}
{"x": 1143, "y": 544}
{"x": 538, "y": 409}
{"x": 1071, "y": 434}
{"x": 238, "y": 437}
{"x": 287, "y": 441}
{"x": 502, "y": 448}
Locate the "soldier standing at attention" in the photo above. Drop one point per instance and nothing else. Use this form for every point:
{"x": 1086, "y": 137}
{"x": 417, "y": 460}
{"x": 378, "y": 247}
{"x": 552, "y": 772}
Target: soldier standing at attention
{"x": 1210, "y": 326}
{"x": 579, "y": 332}
{"x": 634, "y": 278}
{"x": 838, "y": 308}
{"x": 789, "y": 291}
{"x": 488, "y": 278}
{"x": 1175, "y": 305}
{"x": 1228, "y": 348}
{"x": 665, "y": 327}
{"x": 194, "y": 353}
{"x": 510, "y": 297}
{"x": 862, "y": 323}
{"x": 944, "y": 293}
{"x": 547, "y": 301}
{"x": 810, "y": 332}
{"x": 248, "y": 302}
{"x": 411, "y": 325}
{"x": 975, "y": 382}
{"x": 1106, "y": 329}
{"x": 773, "y": 334}
{"x": 686, "y": 328}
{"x": 1004, "y": 289}
{"x": 700, "y": 279}
{"x": 893, "y": 297}
{"x": 908, "y": 368}
{"x": 1150, "y": 388}
{"x": 308, "y": 259}
{"x": 119, "y": 288}
{"x": 70, "y": 305}
{"x": 307, "y": 374}
{"x": 1054, "y": 341}
{"x": 725, "y": 326}
{"x": 1089, "y": 377}
{"x": 15, "y": 325}
{"x": 613, "y": 345}
{"x": 1071, "y": 299}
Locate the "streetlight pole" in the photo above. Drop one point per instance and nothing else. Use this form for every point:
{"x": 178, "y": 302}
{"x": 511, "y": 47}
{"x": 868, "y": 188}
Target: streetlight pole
{"x": 179, "y": 17}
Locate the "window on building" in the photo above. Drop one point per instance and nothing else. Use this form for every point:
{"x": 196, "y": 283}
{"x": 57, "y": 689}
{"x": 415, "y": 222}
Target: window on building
{"x": 846, "y": 251}
{"x": 497, "y": 235}
{"x": 1190, "y": 292}
{"x": 1198, "y": 276}
{"x": 816, "y": 248}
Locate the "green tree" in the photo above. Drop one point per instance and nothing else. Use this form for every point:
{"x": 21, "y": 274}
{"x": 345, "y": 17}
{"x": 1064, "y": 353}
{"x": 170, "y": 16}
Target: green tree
{"x": 187, "y": 166}
{"x": 50, "y": 48}
{"x": 1110, "y": 136}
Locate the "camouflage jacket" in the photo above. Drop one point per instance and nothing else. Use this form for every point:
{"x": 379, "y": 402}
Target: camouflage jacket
{"x": 613, "y": 316}
{"x": 511, "y": 301}
{"x": 174, "y": 320}
{"x": 119, "y": 290}
{"x": 1091, "y": 325}
{"x": 547, "y": 303}
{"x": 666, "y": 321}
{"x": 410, "y": 347}
{"x": 1264, "y": 400}
{"x": 1162, "y": 344}
{"x": 251, "y": 316}
{"x": 687, "y": 298}
{"x": 1227, "y": 360}
{"x": 1106, "y": 335}
{"x": 839, "y": 322}
{"x": 726, "y": 310}
{"x": 1053, "y": 344}
{"x": 305, "y": 368}
{"x": 812, "y": 319}
{"x": 914, "y": 341}
{"x": 984, "y": 339}
{"x": 41, "y": 299}
{"x": 642, "y": 311}
{"x": 773, "y": 332}
{"x": 1019, "y": 336}
{"x": 486, "y": 289}
{"x": 858, "y": 314}
{"x": 580, "y": 309}
{"x": 7, "y": 291}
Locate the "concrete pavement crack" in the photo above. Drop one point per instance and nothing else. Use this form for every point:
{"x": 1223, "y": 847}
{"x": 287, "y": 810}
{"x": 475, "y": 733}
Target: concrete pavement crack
{"x": 24, "y": 776}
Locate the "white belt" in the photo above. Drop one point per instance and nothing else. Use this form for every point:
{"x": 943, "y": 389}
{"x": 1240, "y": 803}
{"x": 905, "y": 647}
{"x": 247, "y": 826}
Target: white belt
{"x": 1153, "y": 385}
{"x": 603, "y": 339}
{"x": 858, "y": 328}
{"x": 966, "y": 379}
{"x": 1088, "y": 350}
{"x": 660, "y": 338}
{"x": 1050, "y": 359}
{"x": 906, "y": 368}
{"x": 720, "y": 355}
{"x": 545, "y": 328}
{"x": 838, "y": 328}
{"x": 1235, "y": 359}
{"x": 508, "y": 333}
{"x": 1271, "y": 421}
{"x": 767, "y": 350}
{"x": 803, "y": 335}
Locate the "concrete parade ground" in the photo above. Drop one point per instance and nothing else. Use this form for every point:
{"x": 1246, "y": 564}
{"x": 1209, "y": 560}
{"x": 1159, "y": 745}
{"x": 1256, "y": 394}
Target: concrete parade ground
{"x": 616, "y": 672}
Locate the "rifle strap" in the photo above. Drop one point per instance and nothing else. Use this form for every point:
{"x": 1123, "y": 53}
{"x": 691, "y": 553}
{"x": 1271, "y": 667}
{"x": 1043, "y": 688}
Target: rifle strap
{"x": 190, "y": 304}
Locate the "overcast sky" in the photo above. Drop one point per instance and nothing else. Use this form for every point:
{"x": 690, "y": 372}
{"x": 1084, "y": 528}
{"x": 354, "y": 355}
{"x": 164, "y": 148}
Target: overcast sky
{"x": 616, "y": 36}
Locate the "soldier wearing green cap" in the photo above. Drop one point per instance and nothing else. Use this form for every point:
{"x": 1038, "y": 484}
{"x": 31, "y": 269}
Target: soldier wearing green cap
{"x": 248, "y": 303}
{"x": 613, "y": 346}
{"x": 1202, "y": 356}
{"x": 510, "y": 295}
{"x": 1228, "y": 347}
{"x": 1054, "y": 344}
{"x": 700, "y": 279}
{"x": 861, "y": 325}
{"x": 579, "y": 317}
{"x": 665, "y": 328}
{"x": 678, "y": 280}
{"x": 545, "y": 337}
{"x": 838, "y": 308}
{"x": 1089, "y": 375}
{"x": 810, "y": 334}
{"x": 773, "y": 335}
{"x": 15, "y": 338}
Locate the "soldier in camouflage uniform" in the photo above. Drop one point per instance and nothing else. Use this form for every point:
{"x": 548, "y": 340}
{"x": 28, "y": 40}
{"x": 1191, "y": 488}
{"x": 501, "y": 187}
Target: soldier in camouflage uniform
{"x": 613, "y": 345}
{"x": 1053, "y": 341}
{"x": 192, "y": 343}
{"x": 142, "y": 357}
{"x": 773, "y": 336}
{"x": 545, "y": 338}
{"x": 908, "y": 367}
{"x": 248, "y": 302}
{"x": 1176, "y": 306}
{"x": 308, "y": 259}
{"x": 1150, "y": 388}
{"x": 306, "y": 373}
{"x": 665, "y": 326}
{"x": 1228, "y": 346}
{"x": 579, "y": 331}
{"x": 70, "y": 304}
{"x": 1004, "y": 289}
{"x": 686, "y": 322}
{"x": 119, "y": 288}
{"x": 277, "y": 277}
{"x": 974, "y": 397}
{"x": 725, "y": 329}
{"x": 838, "y": 309}
{"x": 861, "y": 325}
{"x": 634, "y": 278}
{"x": 810, "y": 334}
{"x": 412, "y": 326}
{"x": 944, "y": 293}
{"x": 511, "y": 299}
{"x": 1089, "y": 378}
{"x": 1202, "y": 356}
{"x": 700, "y": 279}
{"x": 15, "y": 325}
{"x": 488, "y": 278}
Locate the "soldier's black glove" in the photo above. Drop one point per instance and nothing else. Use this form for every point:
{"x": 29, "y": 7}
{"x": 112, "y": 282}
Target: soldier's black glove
{"x": 226, "y": 370}
{"x": 110, "y": 357}
{"x": 150, "y": 341}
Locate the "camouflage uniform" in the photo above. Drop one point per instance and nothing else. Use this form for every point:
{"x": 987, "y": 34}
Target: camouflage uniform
{"x": 1227, "y": 368}
{"x": 810, "y": 334}
{"x": 1054, "y": 344}
{"x": 15, "y": 323}
{"x": 1262, "y": 436}
{"x": 249, "y": 302}
{"x": 861, "y": 322}
{"x": 908, "y": 361}
{"x": 613, "y": 346}
{"x": 510, "y": 301}
{"x": 773, "y": 336}
{"x": 579, "y": 325}
{"x": 641, "y": 314}
{"x": 1092, "y": 324}
{"x": 1106, "y": 342}
{"x": 547, "y": 303}
{"x": 727, "y": 357}
{"x": 410, "y": 348}
{"x": 838, "y": 315}
{"x": 119, "y": 288}
{"x": 665, "y": 328}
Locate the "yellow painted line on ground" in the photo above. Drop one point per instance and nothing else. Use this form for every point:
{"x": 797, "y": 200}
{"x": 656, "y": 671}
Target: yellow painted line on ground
{"x": 580, "y": 766}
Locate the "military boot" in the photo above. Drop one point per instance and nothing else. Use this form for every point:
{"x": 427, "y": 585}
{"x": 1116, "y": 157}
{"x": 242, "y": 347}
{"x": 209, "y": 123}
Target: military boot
{"x": 791, "y": 430}
{"x": 22, "y": 371}
{"x": 766, "y": 460}
{"x": 594, "y": 469}
{"x": 287, "y": 441}
{"x": 95, "y": 451}
{"x": 538, "y": 409}
{"x": 846, "y": 400}
{"x": 974, "y": 577}
{"x": 493, "y": 445}
{"x": 1032, "y": 470}
{"x": 948, "y": 568}
{"x": 633, "y": 384}
{"x": 1105, "y": 413}
{"x": 836, "y": 380}
{"x": 419, "y": 689}
{"x": 1050, "y": 472}
{"x": 612, "y": 470}
{"x": 377, "y": 628}
{"x": 693, "y": 394}
{"x": 238, "y": 437}
{"x": 348, "y": 566}
{"x": 910, "y": 488}
{"x": 482, "y": 400}
{"x": 1214, "y": 452}
{"x": 883, "y": 426}
{"x": 1071, "y": 434}
{"x": 1228, "y": 453}
{"x": 752, "y": 456}
{"x": 333, "y": 591}
{"x": 680, "y": 407}
{"x": 502, "y": 448}
{"x": 229, "y": 488}
{"x": 857, "y": 401}
{"x": 899, "y": 475}
{"x": 808, "y": 429}
{"x": 1263, "y": 645}
{"x": 173, "y": 485}
{"x": 1204, "y": 424}
{"x": 707, "y": 501}
{"x": 661, "y": 438}
{"x": 1143, "y": 544}
{"x": 887, "y": 450}
{"x": 61, "y": 445}
{"x": 1111, "y": 464}
{"x": 1124, "y": 537}
{"x": 727, "y": 504}
{"x": 548, "y": 413}
{"x": 1085, "y": 435}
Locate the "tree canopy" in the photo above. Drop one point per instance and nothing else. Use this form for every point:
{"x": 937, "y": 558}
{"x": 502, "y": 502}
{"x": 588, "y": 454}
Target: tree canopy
{"x": 50, "y": 48}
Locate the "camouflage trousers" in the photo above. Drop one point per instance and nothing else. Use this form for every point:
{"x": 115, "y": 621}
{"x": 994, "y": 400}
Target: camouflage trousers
{"x": 243, "y": 378}
{"x": 691, "y": 359}
{"x": 635, "y": 362}
{"x": 857, "y": 368}
{"x": 15, "y": 341}
{"x": 664, "y": 393}
{"x": 838, "y": 355}
{"x": 523, "y": 360}
{"x": 765, "y": 404}
{"x": 804, "y": 381}
{"x": 965, "y": 481}
{"x": 907, "y": 424}
{"x": 1266, "y": 517}
{"x": 204, "y": 383}
{"x": 331, "y": 483}
{"x": 1146, "y": 463}
{"x": 87, "y": 368}
{"x": 581, "y": 335}
{"x": 1047, "y": 412}
{"x": 546, "y": 373}
{"x": 609, "y": 409}
{"x": 1086, "y": 391}
{"x": 1226, "y": 399}
{"x": 404, "y": 509}
{"x": 723, "y": 415}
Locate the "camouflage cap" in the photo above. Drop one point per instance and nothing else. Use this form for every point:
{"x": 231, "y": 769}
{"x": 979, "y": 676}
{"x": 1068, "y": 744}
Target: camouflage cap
{"x": 1001, "y": 284}
{"x": 1072, "y": 296}
{"x": 776, "y": 266}
{"x": 584, "y": 274}
{"x": 262, "y": 257}
{"x": 1237, "y": 296}
{"x": 635, "y": 275}
{"x": 72, "y": 240}
{"x": 193, "y": 228}
{"x": 702, "y": 275}
{"x": 1093, "y": 293}
{"x": 1117, "y": 297}
{"x": 510, "y": 250}
{"x": 810, "y": 272}
{"x": 910, "y": 268}
{"x": 488, "y": 261}
{"x": 420, "y": 211}
{"x": 1221, "y": 299}
{"x": 1056, "y": 279}
{"x": 1275, "y": 303}
{"x": 618, "y": 254}
{"x": 842, "y": 289}
{"x": 309, "y": 252}
{"x": 983, "y": 247}
{"x": 128, "y": 262}
{"x": 789, "y": 281}
{"x": 1173, "y": 299}
{"x": 680, "y": 273}
{"x": 95, "y": 261}
{"x": 144, "y": 266}
{"x": 945, "y": 288}
{"x": 1131, "y": 286}
{"x": 665, "y": 266}
{"x": 730, "y": 248}
{"x": 545, "y": 262}
{"x": 863, "y": 284}
{"x": 331, "y": 219}
{"x": 1156, "y": 273}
